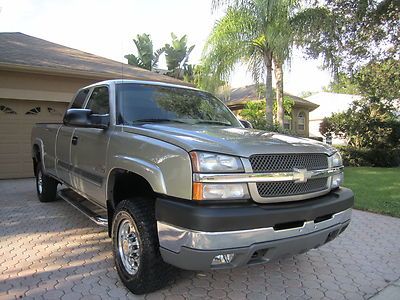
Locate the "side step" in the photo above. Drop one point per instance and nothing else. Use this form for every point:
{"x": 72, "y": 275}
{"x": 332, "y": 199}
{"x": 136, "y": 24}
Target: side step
{"x": 95, "y": 213}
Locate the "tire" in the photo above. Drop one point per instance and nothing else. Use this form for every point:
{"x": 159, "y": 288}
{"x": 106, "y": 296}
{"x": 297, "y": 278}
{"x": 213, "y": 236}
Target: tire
{"x": 46, "y": 186}
{"x": 145, "y": 271}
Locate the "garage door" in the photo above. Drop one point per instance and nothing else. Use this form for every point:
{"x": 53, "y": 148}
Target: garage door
{"x": 16, "y": 120}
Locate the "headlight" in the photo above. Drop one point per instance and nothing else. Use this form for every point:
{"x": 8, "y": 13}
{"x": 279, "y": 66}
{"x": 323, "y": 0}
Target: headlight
{"x": 204, "y": 162}
{"x": 220, "y": 191}
{"x": 336, "y": 160}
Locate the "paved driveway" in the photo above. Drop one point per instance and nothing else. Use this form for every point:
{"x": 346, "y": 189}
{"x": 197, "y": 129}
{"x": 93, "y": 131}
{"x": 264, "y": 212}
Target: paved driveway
{"x": 51, "y": 251}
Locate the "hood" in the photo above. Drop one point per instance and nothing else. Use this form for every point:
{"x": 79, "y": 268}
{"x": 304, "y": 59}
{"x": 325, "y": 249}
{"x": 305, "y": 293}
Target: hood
{"x": 229, "y": 140}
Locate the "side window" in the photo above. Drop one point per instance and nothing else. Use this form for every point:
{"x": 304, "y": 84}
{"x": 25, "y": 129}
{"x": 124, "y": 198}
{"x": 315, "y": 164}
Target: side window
{"x": 80, "y": 99}
{"x": 99, "y": 102}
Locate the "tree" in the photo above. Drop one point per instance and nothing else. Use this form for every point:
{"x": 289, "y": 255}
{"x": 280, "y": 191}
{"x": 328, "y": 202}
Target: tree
{"x": 349, "y": 33}
{"x": 250, "y": 32}
{"x": 365, "y": 124}
{"x": 254, "y": 113}
{"x": 376, "y": 81}
{"x": 177, "y": 55}
{"x": 145, "y": 58}
{"x": 344, "y": 84}
{"x": 379, "y": 81}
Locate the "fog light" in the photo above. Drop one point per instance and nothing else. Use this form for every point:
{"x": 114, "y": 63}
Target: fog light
{"x": 337, "y": 180}
{"x": 222, "y": 259}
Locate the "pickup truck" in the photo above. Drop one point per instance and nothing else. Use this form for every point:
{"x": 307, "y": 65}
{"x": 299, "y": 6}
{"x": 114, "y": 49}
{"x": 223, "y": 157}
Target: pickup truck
{"x": 180, "y": 182}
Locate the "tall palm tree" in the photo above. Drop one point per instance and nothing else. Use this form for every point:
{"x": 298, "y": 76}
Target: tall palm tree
{"x": 253, "y": 32}
{"x": 146, "y": 58}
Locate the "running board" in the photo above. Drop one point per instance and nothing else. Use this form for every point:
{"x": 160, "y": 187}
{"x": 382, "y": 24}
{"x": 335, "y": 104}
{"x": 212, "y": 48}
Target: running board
{"x": 92, "y": 211}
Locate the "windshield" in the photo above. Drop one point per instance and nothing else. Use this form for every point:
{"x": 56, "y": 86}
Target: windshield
{"x": 141, "y": 103}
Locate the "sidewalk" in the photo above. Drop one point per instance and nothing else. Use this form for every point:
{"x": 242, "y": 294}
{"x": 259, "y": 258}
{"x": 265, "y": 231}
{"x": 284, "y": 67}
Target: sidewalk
{"x": 391, "y": 292}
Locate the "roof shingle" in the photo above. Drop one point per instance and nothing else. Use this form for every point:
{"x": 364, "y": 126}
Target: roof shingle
{"x": 18, "y": 49}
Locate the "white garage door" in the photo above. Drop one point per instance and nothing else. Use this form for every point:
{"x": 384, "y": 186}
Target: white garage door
{"x": 16, "y": 120}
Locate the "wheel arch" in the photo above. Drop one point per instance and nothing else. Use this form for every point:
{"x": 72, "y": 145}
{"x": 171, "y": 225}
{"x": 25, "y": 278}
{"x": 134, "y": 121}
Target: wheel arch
{"x": 124, "y": 183}
{"x": 37, "y": 154}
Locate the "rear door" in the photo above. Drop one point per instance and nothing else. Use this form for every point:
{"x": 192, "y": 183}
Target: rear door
{"x": 64, "y": 142}
{"x": 89, "y": 151}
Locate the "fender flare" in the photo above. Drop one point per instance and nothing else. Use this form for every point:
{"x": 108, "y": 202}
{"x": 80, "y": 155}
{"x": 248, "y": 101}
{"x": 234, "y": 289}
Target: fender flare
{"x": 38, "y": 142}
{"x": 149, "y": 171}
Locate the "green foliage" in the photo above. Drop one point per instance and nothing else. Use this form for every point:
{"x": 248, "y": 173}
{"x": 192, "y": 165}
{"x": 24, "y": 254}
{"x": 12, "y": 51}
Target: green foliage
{"x": 343, "y": 85}
{"x": 146, "y": 58}
{"x": 287, "y": 106}
{"x": 176, "y": 55}
{"x": 366, "y": 157}
{"x": 365, "y": 125}
{"x": 375, "y": 81}
{"x": 380, "y": 80}
{"x": 349, "y": 33}
{"x": 253, "y": 32}
{"x": 254, "y": 112}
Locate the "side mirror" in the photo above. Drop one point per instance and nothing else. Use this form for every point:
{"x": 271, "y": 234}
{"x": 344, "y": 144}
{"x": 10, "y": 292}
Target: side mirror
{"x": 86, "y": 119}
{"x": 246, "y": 124}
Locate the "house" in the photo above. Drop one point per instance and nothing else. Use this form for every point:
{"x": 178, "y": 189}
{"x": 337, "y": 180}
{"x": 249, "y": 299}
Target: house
{"x": 300, "y": 112}
{"x": 37, "y": 81}
{"x": 329, "y": 103}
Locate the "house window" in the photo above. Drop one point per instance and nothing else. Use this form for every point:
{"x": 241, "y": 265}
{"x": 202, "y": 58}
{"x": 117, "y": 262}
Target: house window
{"x": 287, "y": 123}
{"x": 7, "y": 110}
{"x": 301, "y": 121}
{"x": 53, "y": 111}
{"x": 33, "y": 111}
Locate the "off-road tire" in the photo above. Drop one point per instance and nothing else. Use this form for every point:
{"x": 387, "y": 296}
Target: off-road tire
{"x": 153, "y": 273}
{"x": 48, "y": 190}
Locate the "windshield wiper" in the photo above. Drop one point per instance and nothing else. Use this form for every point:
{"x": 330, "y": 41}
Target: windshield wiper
{"x": 213, "y": 122}
{"x": 158, "y": 121}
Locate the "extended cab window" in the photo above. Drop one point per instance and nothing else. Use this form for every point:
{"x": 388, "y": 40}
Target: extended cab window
{"x": 99, "y": 101}
{"x": 80, "y": 99}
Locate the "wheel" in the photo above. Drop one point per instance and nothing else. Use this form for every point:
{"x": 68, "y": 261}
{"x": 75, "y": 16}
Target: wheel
{"x": 46, "y": 186}
{"x": 136, "y": 247}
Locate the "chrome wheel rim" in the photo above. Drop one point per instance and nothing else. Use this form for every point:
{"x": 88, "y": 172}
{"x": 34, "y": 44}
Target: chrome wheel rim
{"x": 40, "y": 182}
{"x": 128, "y": 246}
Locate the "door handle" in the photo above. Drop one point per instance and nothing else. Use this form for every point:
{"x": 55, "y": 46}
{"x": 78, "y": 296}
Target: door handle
{"x": 74, "y": 140}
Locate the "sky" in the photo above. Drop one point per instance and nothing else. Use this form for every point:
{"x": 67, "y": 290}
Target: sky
{"x": 106, "y": 28}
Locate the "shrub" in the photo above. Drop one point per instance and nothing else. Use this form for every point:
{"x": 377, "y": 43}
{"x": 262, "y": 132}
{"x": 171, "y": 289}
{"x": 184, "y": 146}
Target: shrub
{"x": 364, "y": 157}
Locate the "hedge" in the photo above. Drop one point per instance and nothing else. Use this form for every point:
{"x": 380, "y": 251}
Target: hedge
{"x": 364, "y": 157}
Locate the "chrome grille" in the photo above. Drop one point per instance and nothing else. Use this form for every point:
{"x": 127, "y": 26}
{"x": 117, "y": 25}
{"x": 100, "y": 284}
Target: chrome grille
{"x": 290, "y": 188}
{"x": 263, "y": 163}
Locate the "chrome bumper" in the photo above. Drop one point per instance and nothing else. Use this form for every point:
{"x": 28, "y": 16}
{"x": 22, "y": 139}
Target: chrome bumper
{"x": 174, "y": 238}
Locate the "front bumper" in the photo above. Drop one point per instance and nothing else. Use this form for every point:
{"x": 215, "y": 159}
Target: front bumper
{"x": 290, "y": 229}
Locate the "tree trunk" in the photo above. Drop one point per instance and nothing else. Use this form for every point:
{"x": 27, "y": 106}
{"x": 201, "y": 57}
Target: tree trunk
{"x": 269, "y": 100}
{"x": 280, "y": 112}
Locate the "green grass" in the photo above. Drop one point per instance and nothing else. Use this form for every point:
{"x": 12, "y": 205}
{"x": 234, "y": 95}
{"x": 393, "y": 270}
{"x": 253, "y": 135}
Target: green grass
{"x": 376, "y": 189}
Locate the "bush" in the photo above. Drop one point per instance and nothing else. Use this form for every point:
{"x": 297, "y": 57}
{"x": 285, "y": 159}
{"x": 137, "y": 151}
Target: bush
{"x": 364, "y": 157}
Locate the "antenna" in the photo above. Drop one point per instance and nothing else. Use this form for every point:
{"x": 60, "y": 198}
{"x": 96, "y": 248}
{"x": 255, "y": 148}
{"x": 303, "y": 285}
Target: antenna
{"x": 122, "y": 63}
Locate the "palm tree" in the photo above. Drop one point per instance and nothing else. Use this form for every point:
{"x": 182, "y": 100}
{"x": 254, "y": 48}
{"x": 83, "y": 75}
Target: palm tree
{"x": 146, "y": 58}
{"x": 253, "y": 32}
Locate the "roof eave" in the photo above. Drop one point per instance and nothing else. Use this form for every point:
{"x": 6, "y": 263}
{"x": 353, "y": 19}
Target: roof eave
{"x": 79, "y": 73}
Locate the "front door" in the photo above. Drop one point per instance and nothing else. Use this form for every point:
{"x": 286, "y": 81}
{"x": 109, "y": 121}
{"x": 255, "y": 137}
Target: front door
{"x": 89, "y": 151}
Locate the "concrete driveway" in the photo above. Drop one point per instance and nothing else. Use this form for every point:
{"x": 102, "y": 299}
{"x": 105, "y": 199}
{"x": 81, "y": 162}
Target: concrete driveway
{"x": 51, "y": 251}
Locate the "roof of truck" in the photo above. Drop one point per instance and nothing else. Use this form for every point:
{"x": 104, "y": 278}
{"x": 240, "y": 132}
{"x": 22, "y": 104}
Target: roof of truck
{"x": 146, "y": 82}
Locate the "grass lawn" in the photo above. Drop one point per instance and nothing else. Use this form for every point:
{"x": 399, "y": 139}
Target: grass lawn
{"x": 376, "y": 189}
